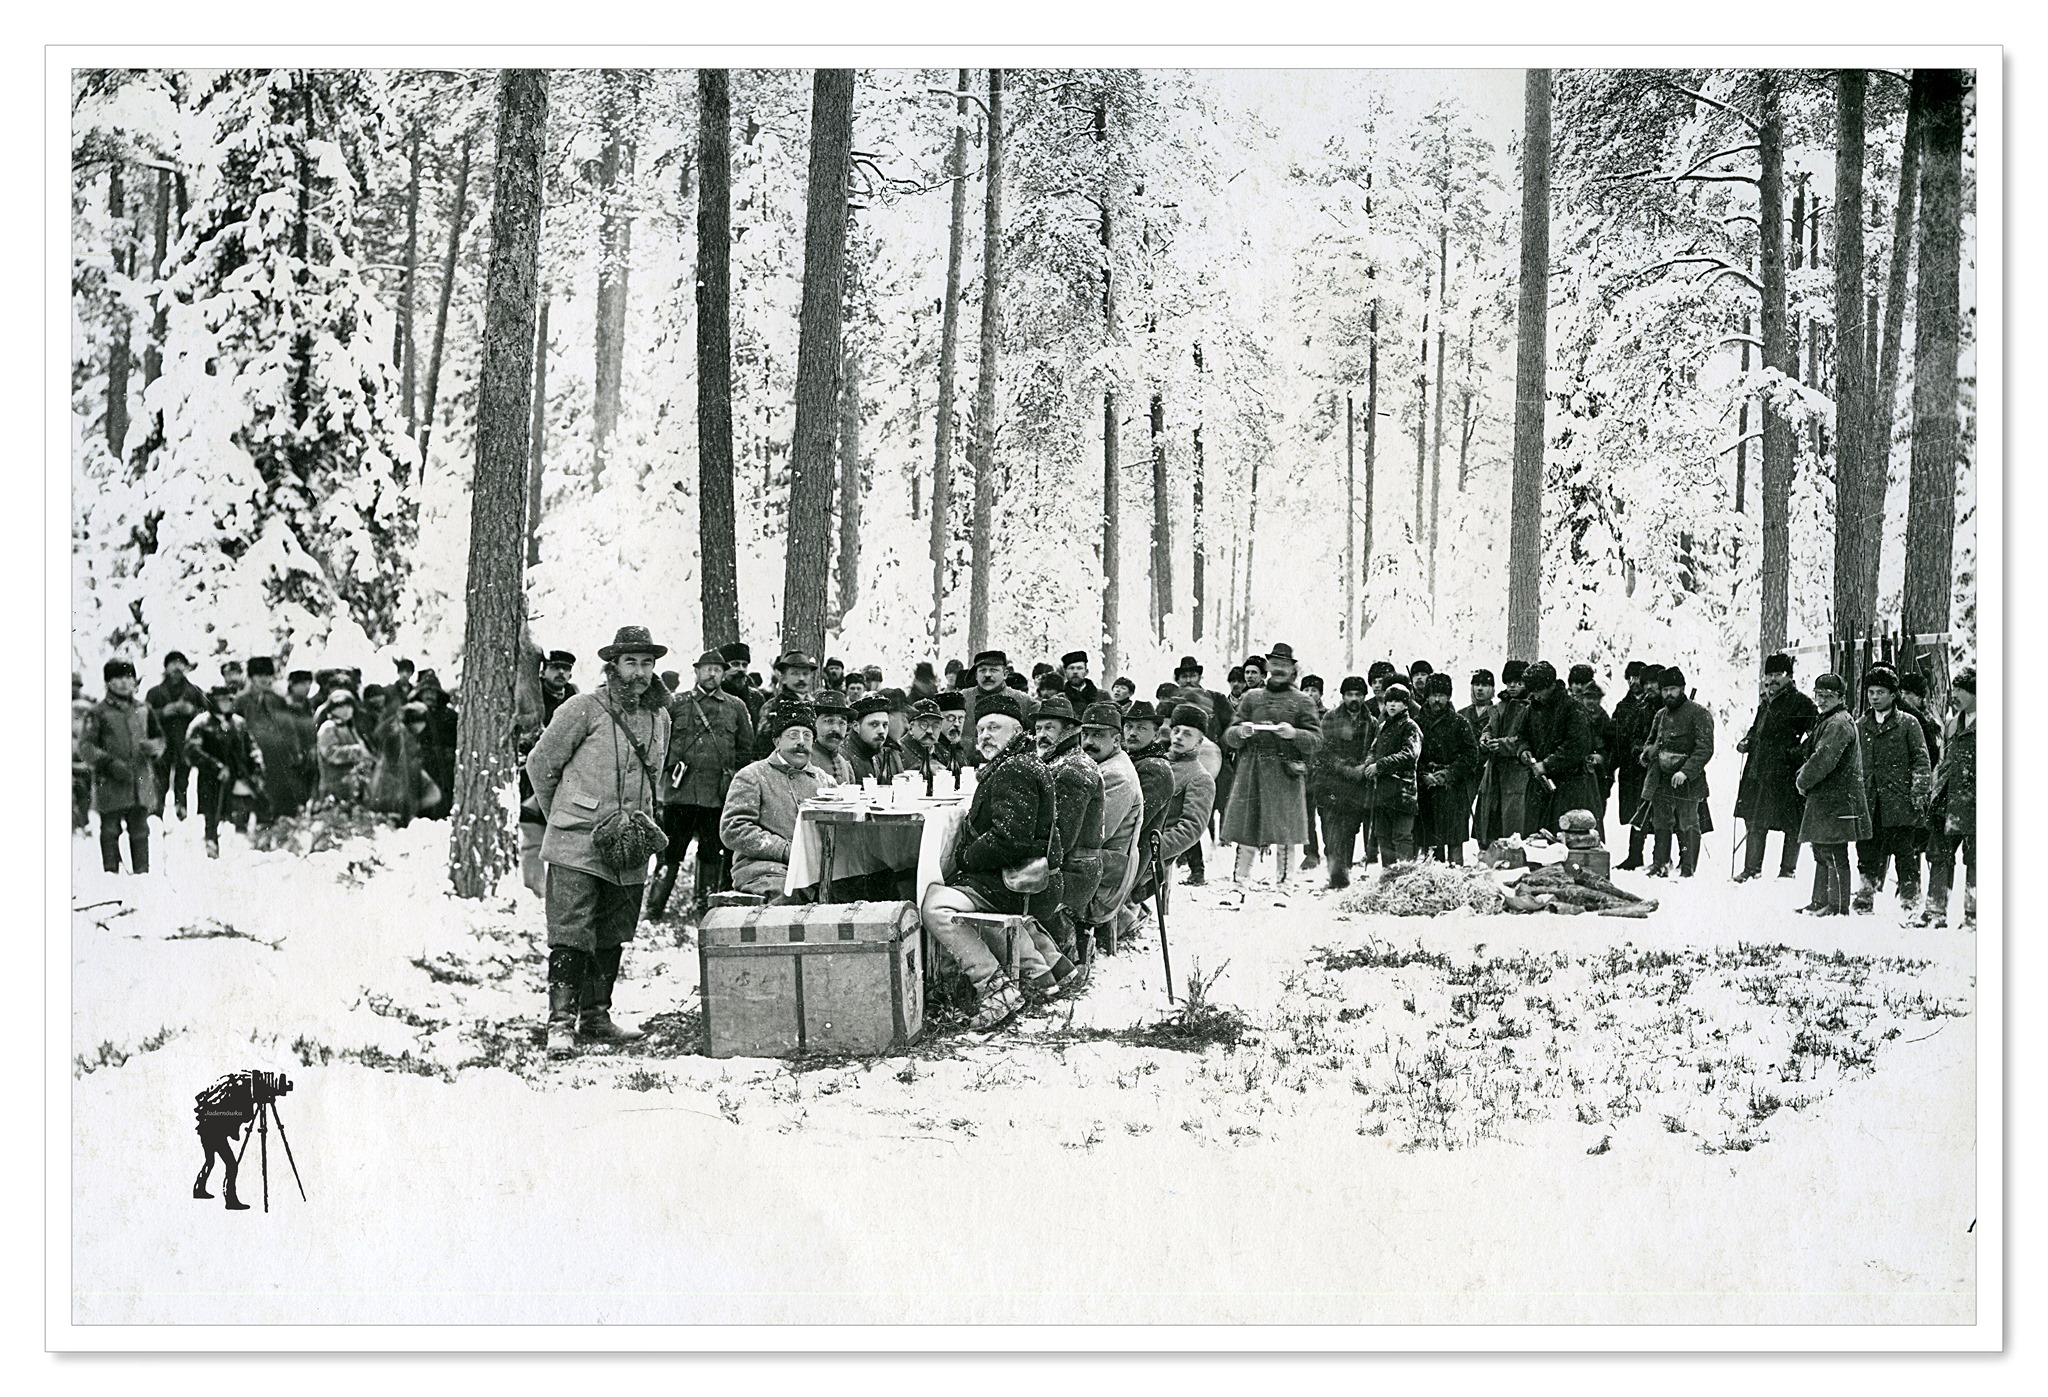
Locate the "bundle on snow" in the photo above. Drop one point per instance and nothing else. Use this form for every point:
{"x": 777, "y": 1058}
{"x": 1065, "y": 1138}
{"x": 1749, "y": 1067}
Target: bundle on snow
{"x": 1565, "y": 889}
{"x": 1425, "y": 889}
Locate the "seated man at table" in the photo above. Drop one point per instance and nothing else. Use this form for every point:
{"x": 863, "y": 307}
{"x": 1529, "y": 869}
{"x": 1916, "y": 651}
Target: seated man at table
{"x": 873, "y": 755}
{"x": 760, "y": 808}
{"x": 920, "y": 742}
{"x": 1010, "y": 823}
{"x": 1077, "y": 785}
{"x": 950, "y": 747}
{"x": 828, "y": 752}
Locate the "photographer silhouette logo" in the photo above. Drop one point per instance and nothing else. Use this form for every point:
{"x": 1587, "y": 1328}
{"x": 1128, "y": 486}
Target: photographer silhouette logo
{"x": 223, "y": 1112}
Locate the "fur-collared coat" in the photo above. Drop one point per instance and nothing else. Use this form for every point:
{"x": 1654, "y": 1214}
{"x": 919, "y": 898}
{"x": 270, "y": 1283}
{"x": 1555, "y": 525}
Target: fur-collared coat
{"x": 584, "y": 769}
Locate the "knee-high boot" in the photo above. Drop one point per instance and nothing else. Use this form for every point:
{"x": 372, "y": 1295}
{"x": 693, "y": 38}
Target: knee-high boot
{"x": 594, "y": 1022}
{"x": 566, "y": 972}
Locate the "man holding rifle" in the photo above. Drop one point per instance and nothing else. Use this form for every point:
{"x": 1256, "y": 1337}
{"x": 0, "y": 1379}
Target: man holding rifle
{"x": 1675, "y": 776}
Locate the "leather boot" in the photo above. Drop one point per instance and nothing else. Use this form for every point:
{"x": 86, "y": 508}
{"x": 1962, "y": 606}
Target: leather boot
{"x": 658, "y": 891}
{"x": 1935, "y": 910}
{"x": 1688, "y": 852}
{"x": 594, "y": 1023}
{"x": 1866, "y": 894}
{"x": 199, "y": 1184}
{"x": 1635, "y": 850}
{"x": 565, "y": 990}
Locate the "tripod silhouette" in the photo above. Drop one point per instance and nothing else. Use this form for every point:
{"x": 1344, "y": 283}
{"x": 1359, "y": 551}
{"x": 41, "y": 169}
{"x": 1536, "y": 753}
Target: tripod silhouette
{"x": 266, "y": 1113}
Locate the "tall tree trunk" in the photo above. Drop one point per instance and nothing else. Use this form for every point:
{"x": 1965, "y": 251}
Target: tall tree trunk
{"x": 117, "y": 347}
{"x": 1372, "y": 443}
{"x": 1231, "y": 641}
{"x": 1854, "y": 496}
{"x": 1885, "y": 396}
{"x": 153, "y": 352}
{"x": 849, "y": 481}
{"x": 1251, "y": 544}
{"x": 1422, "y": 423}
{"x": 1778, "y": 437}
{"x": 1937, "y": 312}
{"x": 447, "y": 292}
{"x": 537, "y": 444}
{"x": 1350, "y": 534}
{"x": 715, "y": 525}
{"x": 1198, "y": 538}
{"x": 1465, "y": 411}
{"x": 949, "y": 353}
{"x": 1112, "y": 507}
{"x": 817, "y": 361}
{"x": 480, "y": 844}
{"x": 404, "y": 352}
{"x": 1436, "y": 451}
{"x": 1742, "y": 428}
{"x": 983, "y": 532}
{"x": 1162, "y": 522}
{"x": 614, "y": 259}
{"x": 1525, "y": 528}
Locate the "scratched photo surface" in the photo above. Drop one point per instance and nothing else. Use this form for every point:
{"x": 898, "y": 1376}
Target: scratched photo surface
{"x": 1105, "y": 695}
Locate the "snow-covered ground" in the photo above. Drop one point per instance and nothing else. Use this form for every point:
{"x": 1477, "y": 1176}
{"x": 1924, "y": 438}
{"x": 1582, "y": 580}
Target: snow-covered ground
{"x": 1723, "y": 1113}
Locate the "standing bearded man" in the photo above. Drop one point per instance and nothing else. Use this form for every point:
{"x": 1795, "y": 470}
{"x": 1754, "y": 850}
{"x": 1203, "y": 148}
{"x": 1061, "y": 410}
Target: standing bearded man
{"x": 1276, "y": 733}
{"x": 1768, "y": 796}
{"x": 596, "y": 777}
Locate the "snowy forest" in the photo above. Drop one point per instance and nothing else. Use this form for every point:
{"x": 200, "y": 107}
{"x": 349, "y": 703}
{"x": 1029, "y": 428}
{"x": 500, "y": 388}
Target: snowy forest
{"x": 1378, "y": 362}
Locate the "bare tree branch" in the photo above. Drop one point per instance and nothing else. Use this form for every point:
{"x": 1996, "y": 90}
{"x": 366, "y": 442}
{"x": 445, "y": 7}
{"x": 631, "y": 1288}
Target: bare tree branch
{"x": 1744, "y": 117}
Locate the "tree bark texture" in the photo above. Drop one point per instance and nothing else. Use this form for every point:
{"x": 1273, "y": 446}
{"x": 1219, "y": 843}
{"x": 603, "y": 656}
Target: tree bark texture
{"x": 1859, "y": 500}
{"x": 441, "y": 307}
{"x": 537, "y": 442}
{"x": 1778, "y": 438}
{"x": 983, "y": 533}
{"x": 849, "y": 481}
{"x": 1162, "y": 522}
{"x": 1350, "y": 533}
{"x": 117, "y": 347}
{"x": 1436, "y": 450}
{"x": 614, "y": 259}
{"x": 817, "y": 362}
{"x": 1198, "y": 538}
{"x": 1422, "y": 424}
{"x": 1937, "y": 311}
{"x": 949, "y": 354}
{"x": 153, "y": 352}
{"x": 1372, "y": 442}
{"x": 1525, "y": 528}
{"x": 404, "y": 352}
{"x": 481, "y": 838}
{"x": 1885, "y": 395}
{"x": 717, "y": 549}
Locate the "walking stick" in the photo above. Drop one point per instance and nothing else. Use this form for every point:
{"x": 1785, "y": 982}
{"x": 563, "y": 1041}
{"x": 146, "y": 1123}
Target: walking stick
{"x": 1159, "y": 907}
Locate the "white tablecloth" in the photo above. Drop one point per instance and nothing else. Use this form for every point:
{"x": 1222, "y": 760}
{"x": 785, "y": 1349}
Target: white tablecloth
{"x": 867, "y": 846}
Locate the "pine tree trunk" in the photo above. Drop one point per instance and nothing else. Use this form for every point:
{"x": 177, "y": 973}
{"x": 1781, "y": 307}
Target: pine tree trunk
{"x": 849, "y": 482}
{"x": 1525, "y": 528}
{"x": 1372, "y": 443}
{"x": 984, "y": 463}
{"x": 404, "y": 352}
{"x": 1465, "y": 412}
{"x": 1162, "y": 522}
{"x": 1112, "y": 540}
{"x": 1778, "y": 437}
{"x": 716, "y": 546}
{"x": 1251, "y": 544}
{"x": 614, "y": 261}
{"x": 1436, "y": 451}
{"x": 1350, "y": 534}
{"x": 447, "y": 292}
{"x": 1937, "y": 310}
{"x": 537, "y": 443}
{"x": 153, "y": 352}
{"x": 817, "y": 361}
{"x": 1742, "y": 428}
{"x": 481, "y": 850}
{"x": 117, "y": 347}
{"x": 949, "y": 353}
{"x": 1422, "y": 424}
{"x": 1885, "y": 396}
{"x": 1854, "y": 496}
{"x": 1198, "y": 539}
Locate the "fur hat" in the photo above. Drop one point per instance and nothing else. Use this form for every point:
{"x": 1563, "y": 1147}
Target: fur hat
{"x": 1514, "y": 671}
{"x": 1881, "y": 677}
{"x": 1437, "y": 684}
{"x": 631, "y": 640}
{"x": 870, "y": 704}
{"x": 1354, "y": 684}
{"x": 1482, "y": 676}
{"x": 1074, "y": 657}
{"x": 1377, "y": 668}
{"x": 1913, "y": 682}
{"x": 1259, "y": 660}
{"x": 1780, "y": 663}
{"x": 263, "y": 667}
{"x": 1832, "y": 683}
{"x": 1398, "y": 690}
{"x": 1653, "y": 676}
{"x": 117, "y": 669}
{"x": 736, "y": 652}
{"x": 1671, "y": 677}
{"x": 1190, "y": 715}
{"x": 1635, "y": 667}
{"x": 1000, "y": 703}
{"x": 1581, "y": 674}
{"x": 1166, "y": 692}
{"x": 991, "y": 657}
{"x": 1966, "y": 679}
{"x": 1124, "y": 681}
{"x": 179, "y": 656}
{"x": 778, "y": 718}
{"x": 1539, "y": 676}
{"x": 1416, "y": 667}
{"x": 299, "y": 676}
{"x": 952, "y": 701}
{"x": 1236, "y": 675}
{"x": 1102, "y": 715}
{"x": 1312, "y": 681}
{"x": 1056, "y": 707}
{"x": 1017, "y": 682}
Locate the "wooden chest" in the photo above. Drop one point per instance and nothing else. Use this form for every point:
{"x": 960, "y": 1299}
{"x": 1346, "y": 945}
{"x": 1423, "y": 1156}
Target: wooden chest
{"x": 1594, "y": 861}
{"x": 836, "y": 977}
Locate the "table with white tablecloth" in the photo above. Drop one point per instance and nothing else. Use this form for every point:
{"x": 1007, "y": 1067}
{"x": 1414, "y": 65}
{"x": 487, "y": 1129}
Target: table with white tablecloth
{"x": 840, "y": 844}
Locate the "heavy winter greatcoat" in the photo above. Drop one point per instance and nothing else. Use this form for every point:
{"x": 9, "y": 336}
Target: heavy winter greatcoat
{"x": 1077, "y": 786}
{"x": 121, "y": 742}
{"x": 1187, "y": 810}
{"x": 1687, "y": 733}
{"x": 1503, "y": 807}
{"x": 1632, "y": 719}
{"x": 290, "y": 771}
{"x": 1123, "y": 812}
{"x": 344, "y": 760}
{"x": 1897, "y": 778}
{"x": 1561, "y": 739}
{"x": 583, "y": 769}
{"x": 1955, "y": 776}
{"x": 1768, "y": 796}
{"x": 707, "y": 734}
{"x": 1395, "y": 754}
{"x": 1346, "y": 746}
{"x": 175, "y": 705}
{"x": 1269, "y": 802}
{"x": 1837, "y": 806}
{"x": 1012, "y": 820}
{"x": 1449, "y": 747}
{"x": 219, "y": 748}
{"x": 759, "y": 820}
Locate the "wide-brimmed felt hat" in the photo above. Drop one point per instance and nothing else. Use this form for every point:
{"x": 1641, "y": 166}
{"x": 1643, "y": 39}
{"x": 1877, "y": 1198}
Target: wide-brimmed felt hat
{"x": 1188, "y": 665}
{"x": 711, "y": 657}
{"x": 632, "y": 640}
{"x": 1102, "y": 715}
{"x": 1281, "y": 651}
{"x": 794, "y": 659}
{"x": 1055, "y": 707}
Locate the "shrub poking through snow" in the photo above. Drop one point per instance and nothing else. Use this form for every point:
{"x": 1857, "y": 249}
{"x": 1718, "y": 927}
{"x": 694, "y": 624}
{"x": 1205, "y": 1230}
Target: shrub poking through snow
{"x": 1426, "y": 889}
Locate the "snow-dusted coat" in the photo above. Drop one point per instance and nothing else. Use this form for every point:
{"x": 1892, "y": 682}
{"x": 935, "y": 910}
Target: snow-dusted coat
{"x": 344, "y": 760}
{"x": 1077, "y": 784}
{"x": 1897, "y": 778}
{"x": 707, "y": 734}
{"x": 1346, "y": 746}
{"x": 1686, "y": 732}
{"x": 759, "y": 820}
{"x": 219, "y": 748}
{"x": 290, "y": 774}
{"x": 1837, "y": 806}
{"x": 121, "y": 741}
{"x": 1123, "y": 812}
{"x": 1448, "y": 746}
{"x": 1561, "y": 738}
{"x": 1768, "y": 795}
{"x": 1187, "y": 810}
{"x": 1632, "y": 717}
{"x": 1955, "y": 776}
{"x": 1012, "y": 820}
{"x": 583, "y": 769}
{"x": 1268, "y": 802}
{"x": 1396, "y": 751}
{"x": 1503, "y": 807}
